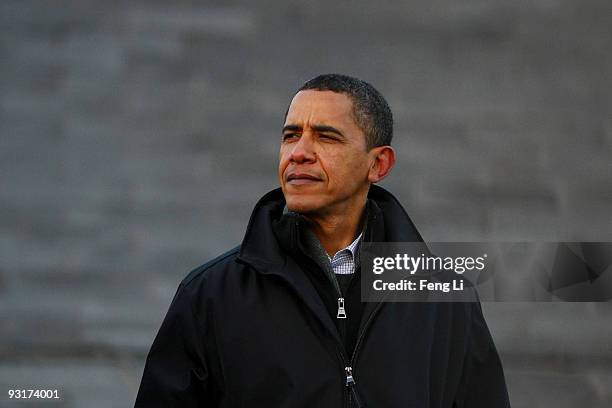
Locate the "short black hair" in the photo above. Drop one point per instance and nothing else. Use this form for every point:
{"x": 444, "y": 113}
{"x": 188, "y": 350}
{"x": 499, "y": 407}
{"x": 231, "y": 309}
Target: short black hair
{"x": 370, "y": 109}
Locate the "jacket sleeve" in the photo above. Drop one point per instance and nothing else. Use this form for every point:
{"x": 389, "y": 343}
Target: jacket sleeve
{"x": 175, "y": 373}
{"x": 483, "y": 382}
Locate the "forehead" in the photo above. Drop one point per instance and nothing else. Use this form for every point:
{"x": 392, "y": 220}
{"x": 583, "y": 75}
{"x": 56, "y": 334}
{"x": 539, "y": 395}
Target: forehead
{"x": 322, "y": 107}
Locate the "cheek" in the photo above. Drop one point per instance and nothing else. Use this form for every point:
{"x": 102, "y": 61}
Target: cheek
{"x": 282, "y": 162}
{"x": 348, "y": 172}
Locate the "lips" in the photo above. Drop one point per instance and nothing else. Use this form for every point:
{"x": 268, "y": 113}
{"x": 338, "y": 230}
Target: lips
{"x": 302, "y": 178}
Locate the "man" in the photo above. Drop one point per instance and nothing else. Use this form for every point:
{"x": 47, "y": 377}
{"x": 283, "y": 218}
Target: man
{"x": 279, "y": 322}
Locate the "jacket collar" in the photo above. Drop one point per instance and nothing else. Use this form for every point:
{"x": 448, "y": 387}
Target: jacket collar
{"x": 387, "y": 222}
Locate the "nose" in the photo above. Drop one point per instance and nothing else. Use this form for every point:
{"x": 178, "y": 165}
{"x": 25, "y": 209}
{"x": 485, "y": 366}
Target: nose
{"x": 303, "y": 150}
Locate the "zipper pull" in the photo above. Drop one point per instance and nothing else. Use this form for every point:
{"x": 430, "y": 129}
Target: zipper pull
{"x": 350, "y": 381}
{"x": 341, "y": 311}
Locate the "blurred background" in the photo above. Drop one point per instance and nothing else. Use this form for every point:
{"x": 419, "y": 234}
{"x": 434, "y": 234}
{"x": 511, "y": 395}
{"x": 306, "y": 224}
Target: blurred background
{"x": 136, "y": 136}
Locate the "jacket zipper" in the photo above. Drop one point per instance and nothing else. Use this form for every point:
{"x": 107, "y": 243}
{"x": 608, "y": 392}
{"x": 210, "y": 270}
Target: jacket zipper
{"x": 350, "y": 380}
{"x": 353, "y": 399}
{"x": 350, "y": 383}
{"x": 341, "y": 311}
{"x": 341, "y": 314}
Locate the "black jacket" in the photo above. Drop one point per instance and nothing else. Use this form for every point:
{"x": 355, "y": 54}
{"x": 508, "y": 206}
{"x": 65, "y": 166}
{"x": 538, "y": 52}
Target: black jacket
{"x": 253, "y": 328}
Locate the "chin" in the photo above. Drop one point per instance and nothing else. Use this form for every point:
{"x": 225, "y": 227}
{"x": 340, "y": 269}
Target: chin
{"x": 302, "y": 205}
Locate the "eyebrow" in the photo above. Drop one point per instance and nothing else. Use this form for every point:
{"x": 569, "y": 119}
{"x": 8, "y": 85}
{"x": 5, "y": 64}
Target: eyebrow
{"x": 317, "y": 128}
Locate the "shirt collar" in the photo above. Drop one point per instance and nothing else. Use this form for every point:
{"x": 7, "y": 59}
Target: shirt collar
{"x": 352, "y": 248}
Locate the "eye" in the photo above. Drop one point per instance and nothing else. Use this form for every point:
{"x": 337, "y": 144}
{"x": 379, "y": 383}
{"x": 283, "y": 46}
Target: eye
{"x": 327, "y": 137}
{"x": 290, "y": 136}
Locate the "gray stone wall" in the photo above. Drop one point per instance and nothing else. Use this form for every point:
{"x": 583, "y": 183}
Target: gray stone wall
{"x": 136, "y": 137}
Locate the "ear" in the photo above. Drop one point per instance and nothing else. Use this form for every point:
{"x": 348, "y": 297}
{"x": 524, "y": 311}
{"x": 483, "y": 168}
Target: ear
{"x": 383, "y": 162}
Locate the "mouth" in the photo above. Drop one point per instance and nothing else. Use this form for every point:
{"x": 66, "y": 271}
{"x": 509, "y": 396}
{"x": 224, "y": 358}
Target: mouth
{"x": 302, "y": 178}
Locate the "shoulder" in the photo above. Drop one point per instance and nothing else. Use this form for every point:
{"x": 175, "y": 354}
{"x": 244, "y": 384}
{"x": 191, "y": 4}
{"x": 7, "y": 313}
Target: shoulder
{"x": 220, "y": 264}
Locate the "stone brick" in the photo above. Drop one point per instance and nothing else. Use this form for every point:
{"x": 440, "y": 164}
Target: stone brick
{"x": 137, "y": 136}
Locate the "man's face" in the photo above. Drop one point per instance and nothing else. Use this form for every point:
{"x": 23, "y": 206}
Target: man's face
{"x": 323, "y": 157}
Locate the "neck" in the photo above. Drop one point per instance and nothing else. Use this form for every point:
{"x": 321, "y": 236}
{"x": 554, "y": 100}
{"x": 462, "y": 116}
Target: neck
{"x": 336, "y": 230}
